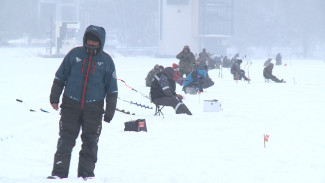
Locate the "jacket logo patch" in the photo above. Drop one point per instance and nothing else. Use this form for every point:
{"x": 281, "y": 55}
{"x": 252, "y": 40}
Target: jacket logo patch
{"x": 114, "y": 74}
{"x": 78, "y": 59}
{"x": 100, "y": 63}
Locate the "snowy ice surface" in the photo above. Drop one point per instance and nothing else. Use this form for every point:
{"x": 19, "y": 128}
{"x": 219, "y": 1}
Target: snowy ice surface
{"x": 225, "y": 146}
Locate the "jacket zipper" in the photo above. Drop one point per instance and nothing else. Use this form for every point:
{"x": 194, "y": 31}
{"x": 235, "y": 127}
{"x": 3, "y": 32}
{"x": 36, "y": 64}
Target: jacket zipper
{"x": 86, "y": 80}
{"x": 82, "y": 67}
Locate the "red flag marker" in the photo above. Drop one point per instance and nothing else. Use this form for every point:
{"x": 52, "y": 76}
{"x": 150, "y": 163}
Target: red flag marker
{"x": 266, "y": 139}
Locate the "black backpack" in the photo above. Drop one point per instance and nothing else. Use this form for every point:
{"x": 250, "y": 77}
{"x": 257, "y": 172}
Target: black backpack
{"x": 137, "y": 125}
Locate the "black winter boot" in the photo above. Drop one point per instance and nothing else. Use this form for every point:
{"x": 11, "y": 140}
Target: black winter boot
{"x": 182, "y": 109}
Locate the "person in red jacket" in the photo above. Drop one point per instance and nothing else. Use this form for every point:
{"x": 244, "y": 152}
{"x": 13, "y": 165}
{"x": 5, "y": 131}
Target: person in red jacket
{"x": 177, "y": 74}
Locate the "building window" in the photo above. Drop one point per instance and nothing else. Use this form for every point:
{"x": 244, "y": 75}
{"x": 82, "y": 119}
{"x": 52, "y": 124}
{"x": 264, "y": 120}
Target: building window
{"x": 215, "y": 17}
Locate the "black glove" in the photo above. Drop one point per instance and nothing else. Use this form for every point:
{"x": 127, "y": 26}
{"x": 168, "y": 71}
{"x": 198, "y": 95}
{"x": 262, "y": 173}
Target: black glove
{"x": 56, "y": 91}
{"x": 111, "y": 100}
{"x": 107, "y": 118}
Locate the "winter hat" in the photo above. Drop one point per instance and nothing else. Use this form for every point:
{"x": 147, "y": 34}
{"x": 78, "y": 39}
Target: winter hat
{"x": 91, "y": 36}
{"x": 156, "y": 67}
{"x": 161, "y": 67}
{"x": 169, "y": 71}
{"x": 175, "y": 65}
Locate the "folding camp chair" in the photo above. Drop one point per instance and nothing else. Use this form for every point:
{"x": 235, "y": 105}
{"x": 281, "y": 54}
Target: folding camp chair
{"x": 158, "y": 110}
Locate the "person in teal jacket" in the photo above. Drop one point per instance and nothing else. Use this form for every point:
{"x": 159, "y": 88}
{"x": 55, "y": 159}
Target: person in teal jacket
{"x": 88, "y": 77}
{"x": 198, "y": 79}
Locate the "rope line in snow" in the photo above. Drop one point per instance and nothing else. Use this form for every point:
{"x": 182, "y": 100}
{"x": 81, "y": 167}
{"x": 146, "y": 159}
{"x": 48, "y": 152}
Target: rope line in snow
{"x": 31, "y": 110}
{"x": 144, "y": 95}
{"x": 137, "y": 104}
{"x": 125, "y": 112}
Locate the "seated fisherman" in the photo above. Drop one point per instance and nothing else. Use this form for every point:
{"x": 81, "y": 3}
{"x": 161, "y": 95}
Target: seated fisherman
{"x": 237, "y": 72}
{"x": 163, "y": 89}
{"x": 198, "y": 79}
{"x": 267, "y": 73}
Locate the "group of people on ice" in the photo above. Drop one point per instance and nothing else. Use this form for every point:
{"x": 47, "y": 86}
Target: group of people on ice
{"x": 196, "y": 69}
{"x": 268, "y": 69}
{"x": 239, "y": 73}
{"x": 162, "y": 81}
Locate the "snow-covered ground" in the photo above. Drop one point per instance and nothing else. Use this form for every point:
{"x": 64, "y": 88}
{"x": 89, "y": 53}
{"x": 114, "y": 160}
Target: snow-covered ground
{"x": 225, "y": 146}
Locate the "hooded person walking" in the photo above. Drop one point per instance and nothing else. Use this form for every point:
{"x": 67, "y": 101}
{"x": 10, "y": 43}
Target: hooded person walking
{"x": 88, "y": 77}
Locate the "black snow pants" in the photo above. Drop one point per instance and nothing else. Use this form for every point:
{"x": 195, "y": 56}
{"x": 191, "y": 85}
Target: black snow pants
{"x": 275, "y": 79}
{"x": 240, "y": 75}
{"x": 72, "y": 120}
{"x": 173, "y": 101}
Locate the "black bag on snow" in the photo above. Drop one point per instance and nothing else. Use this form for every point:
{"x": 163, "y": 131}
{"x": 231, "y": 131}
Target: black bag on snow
{"x": 137, "y": 125}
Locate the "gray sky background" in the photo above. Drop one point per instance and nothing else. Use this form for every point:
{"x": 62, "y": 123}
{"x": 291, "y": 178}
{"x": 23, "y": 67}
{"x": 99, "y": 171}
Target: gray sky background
{"x": 257, "y": 23}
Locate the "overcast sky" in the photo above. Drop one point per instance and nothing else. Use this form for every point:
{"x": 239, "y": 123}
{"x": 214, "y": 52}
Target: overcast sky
{"x": 256, "y": 22}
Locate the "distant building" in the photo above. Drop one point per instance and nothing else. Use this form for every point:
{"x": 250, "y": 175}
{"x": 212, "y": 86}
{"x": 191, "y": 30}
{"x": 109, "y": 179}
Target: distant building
{"x": 57, "y": 10}
{"x": 61, "y": 20}
{"x": 197, "y": 23}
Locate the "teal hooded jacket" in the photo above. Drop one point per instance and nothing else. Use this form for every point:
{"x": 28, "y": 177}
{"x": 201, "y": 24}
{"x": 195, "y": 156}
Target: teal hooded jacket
{"x": 86, "y": 74}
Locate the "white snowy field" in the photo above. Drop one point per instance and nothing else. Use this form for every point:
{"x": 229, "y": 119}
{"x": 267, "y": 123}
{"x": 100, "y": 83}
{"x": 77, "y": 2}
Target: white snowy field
{"x": 207, "y": 147}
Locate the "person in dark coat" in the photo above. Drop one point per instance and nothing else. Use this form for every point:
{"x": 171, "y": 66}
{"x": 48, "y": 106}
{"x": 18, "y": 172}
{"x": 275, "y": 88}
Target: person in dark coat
{"x": 152, "y": 73}
{"x": 186, "y": 61}
{"x": 237, "y": 72}
{"x": 204, "y": 58}
{"x": 278, "y": 59}
{"x": 88, "y": 77}
{"x": 163, "y": 92}
{"x": 226, "y": 63}
{"x": 234, "y": 59}
{"x": 267, "y": 73}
